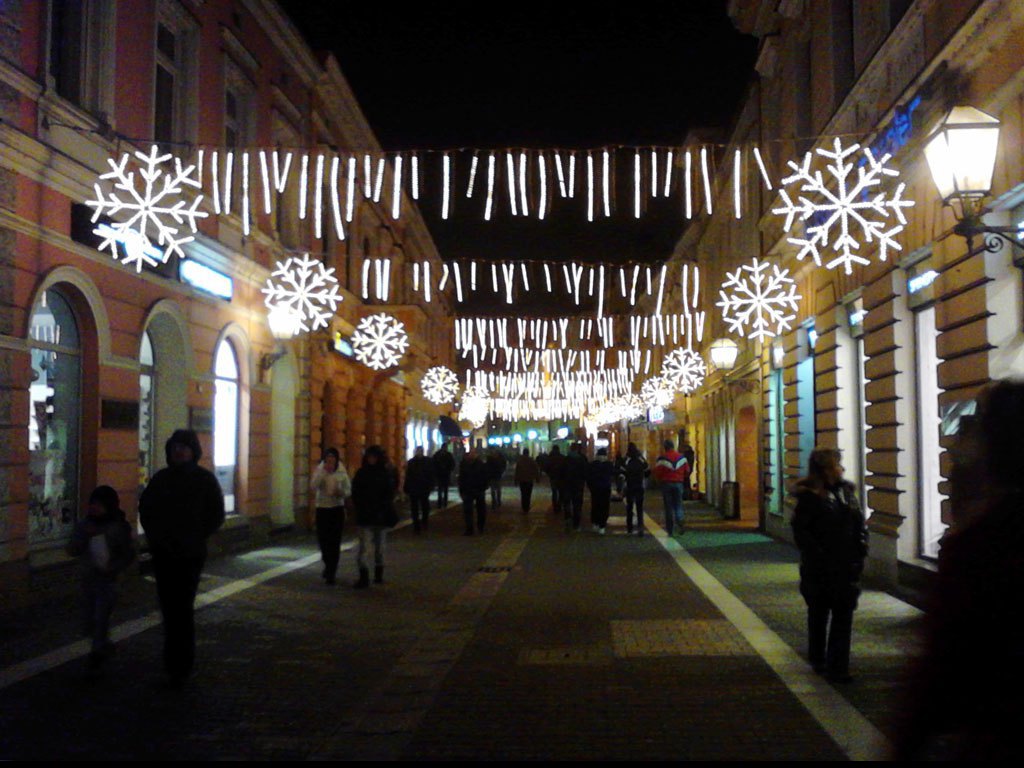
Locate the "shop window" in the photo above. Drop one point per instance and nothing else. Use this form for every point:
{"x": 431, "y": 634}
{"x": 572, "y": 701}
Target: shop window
{"x": 147, "y": 410}
{"x": 852, "y": 437}
{"x": 55, "y": 410}
{"x": 225, "y": 420}
{"x": 928, "y": 423}
{"x": 776, "y": 437}
{"x": 805, "y": 395}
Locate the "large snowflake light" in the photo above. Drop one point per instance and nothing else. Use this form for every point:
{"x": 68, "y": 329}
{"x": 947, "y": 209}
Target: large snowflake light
{"x": 763, "y": 300}
{"x": 657, "y": 391}
{"x": 379, "y": 341}
{"x": 306, "y": 288}
{"x": 439, "y": 385}
{"x": 844, "y": 204}
{"x": 684, "y": 369}
{"x": 157, "y": 206}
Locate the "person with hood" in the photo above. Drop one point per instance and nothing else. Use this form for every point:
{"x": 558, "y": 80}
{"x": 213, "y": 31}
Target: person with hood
{"x": 444, "y": 465}
{"x": 672, "y": 470}
{"x": 473, "y": 490}
{"x": 419, "y": 482}
{"x": 332, "y": 486}
{"x": 180, "y": 509}
{"x": 829, "y": 530}
{"x": 634, "y": 471}
{"x": 600, "y": 476}
{"x": 103, "y": 544}
{"x": 527, "y": 473}
{"x": 373, "y": 495}
{"x": 574, "y": 480}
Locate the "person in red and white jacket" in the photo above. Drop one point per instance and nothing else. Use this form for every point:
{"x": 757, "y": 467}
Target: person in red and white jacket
{"x": 672, "y": 470}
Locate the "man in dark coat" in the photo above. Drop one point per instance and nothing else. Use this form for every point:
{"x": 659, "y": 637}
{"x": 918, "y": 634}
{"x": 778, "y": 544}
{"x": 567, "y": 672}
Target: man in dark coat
{"x": 600, "y": 475}
{"x": 635, "y": 471}
{"x": 444, "y": 465}
{"x": 179, "y": 510}
{"x": 373, "y": 496}
{"x": 554, "y": 468}
{"x": 496, "y": 464}
{"x": 419, "y": 481}
{"x": 574, "y": 480}
{"x": 473, "y": 489}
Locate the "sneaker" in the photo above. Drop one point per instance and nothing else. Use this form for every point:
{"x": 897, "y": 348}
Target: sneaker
{"x": 601, "y": 531}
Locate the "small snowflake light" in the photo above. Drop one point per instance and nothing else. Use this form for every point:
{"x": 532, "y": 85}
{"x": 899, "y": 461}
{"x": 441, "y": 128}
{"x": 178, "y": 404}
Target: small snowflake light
{"x": 475, "y": 405}
{"x": 763, "y": 301}
{"x": 849, "y": 206}
{"x": 439, "y": 385}
{"x": 379, "y": 341}
{"x": 657, "y": 391}
{"x": 157, "y": 206}
{"x": 307, "y": 288}
{"x": 684, "y": 369}
{"x": 631, "y": 406}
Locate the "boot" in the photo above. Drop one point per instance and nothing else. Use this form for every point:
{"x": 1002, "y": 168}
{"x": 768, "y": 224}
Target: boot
{"x": 364, "y": 579}
{"x": 378, "y": 574}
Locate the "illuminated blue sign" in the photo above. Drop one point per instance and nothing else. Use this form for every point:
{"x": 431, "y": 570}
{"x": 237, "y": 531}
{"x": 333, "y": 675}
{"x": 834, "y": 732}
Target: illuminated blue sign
{"x": 919, "y": 282}
{"x": 206, "y": 279}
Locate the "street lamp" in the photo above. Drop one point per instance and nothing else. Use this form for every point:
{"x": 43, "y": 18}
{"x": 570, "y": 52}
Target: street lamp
{"x": 284, "y": 324}
{"x": 723, "y": 353}
{"x": 961, "y": 155}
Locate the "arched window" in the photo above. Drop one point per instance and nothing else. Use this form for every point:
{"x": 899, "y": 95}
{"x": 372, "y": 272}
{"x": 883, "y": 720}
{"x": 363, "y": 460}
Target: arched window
{"x": 225, "y": 420}
{"x": 55, "y": 409}
{"x": 147, "y": 410}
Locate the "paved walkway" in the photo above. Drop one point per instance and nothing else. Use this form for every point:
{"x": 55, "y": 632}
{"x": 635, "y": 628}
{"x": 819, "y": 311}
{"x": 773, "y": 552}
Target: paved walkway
{"x": 522, "y": 643}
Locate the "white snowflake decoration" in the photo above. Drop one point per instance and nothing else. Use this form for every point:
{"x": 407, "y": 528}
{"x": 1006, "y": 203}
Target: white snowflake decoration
{"x": 158, "y": 204}
{"x": 657, "y": 391}
{"x": 850, "y": 206}
{"x": 306, "y": 288}
{"x": 439, "y": 385}
{"x": 765, "y": 302}
{"x": 684, "y": 369}
{"x": 379, "y": 341}
{"x": 475, "y": 405}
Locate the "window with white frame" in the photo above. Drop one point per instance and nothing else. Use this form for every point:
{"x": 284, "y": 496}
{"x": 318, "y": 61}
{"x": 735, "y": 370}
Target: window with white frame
{"x": 174, "y": 78}
{"x": 80, "y": 52}
{"x": 225, "y": 420}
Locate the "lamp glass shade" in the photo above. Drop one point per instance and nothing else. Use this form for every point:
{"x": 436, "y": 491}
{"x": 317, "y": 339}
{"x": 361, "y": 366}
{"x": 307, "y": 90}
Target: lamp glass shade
{"x": 284, "y": 323}
{"x": 961, "y": 153}
{"x": 723, "y": 353}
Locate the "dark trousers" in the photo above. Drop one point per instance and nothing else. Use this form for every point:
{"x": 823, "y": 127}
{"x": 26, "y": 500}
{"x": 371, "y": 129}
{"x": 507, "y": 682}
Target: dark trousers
{"x": 329, "y": 523}
{"x": 635, "y": 498}
{"x": 442, "y": 490}
{"x": 479, "y": 501}
{"x": 525, "y": 494}
{"x": 495, "y": 493}
{"x": 600, "y": 502}
{"x": 177, "y": 579}
{"x": 572, "y": 506}
{"x": 98, "y": 597}
{"x": 829, "y": 641}
{"x": 556, "y": 502}
{"x": 420, "y": 505}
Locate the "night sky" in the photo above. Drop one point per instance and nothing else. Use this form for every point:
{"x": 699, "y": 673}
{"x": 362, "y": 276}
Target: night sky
{"x": 443, "y": 77}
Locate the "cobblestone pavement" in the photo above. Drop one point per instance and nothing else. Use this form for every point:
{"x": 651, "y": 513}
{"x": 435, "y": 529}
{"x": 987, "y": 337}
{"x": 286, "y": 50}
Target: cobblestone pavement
{"x": 522, "y": 643}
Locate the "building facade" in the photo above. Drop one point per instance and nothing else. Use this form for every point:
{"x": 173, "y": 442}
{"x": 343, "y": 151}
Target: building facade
{"x": 100, "y": 362}
{"x": 882, "y": 361}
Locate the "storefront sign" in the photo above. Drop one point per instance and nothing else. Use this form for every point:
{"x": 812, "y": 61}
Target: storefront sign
{"x": 206, "y": 279}
{"x": 656, "y": 415}
{"x": 341, "y": 345}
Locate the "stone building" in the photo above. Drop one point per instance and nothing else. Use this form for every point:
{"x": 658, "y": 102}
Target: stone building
{"x": 99, "y": 362}
{"x": 880, "y": 362}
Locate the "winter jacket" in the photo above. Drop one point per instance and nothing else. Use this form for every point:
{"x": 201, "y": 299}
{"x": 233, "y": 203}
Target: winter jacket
{"x": 419, "y": 476}
{"x": 671, "y": 467}
{"x": 496, "y": 465}
{"x": 473, "y": 477}
{"x": 635, "y": 470}
{"x": 113, "y": 554}
{"x": 575, "y": 475}
{"x": 600, "y": 473}
{"x": 527, "y": 470}
{"x": 554, "y": 468}
{"x": 180, "y": 508}
{"x": 829, "y": 531}
{"x": 444, "y": 464}
{"x": 373, "y": 495}
{"x": 332, "y": 488}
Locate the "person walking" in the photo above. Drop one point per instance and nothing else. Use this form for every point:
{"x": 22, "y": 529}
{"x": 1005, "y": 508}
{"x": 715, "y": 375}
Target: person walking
{"x": 182, "y": 506}
{"x": 671, "y": 471}
{"x": 496, "y": 465}
{"x": 554, "y": 467}
{"x": 103, "y": 544}
{"x": 829, "y": 530}
{"x": 634, "y": 473}
{"x": 574, "y": 479}
{"x": 527, "y": 473}
{"x": 419, "y": 482}
{"x": 600, "y": 477}
{"x": 691, "y": 461}
{"x": 444, "y": 465}
{"x": 373, "y": 495}
{"x": 331, "y": 484}
{"x": 473, "y": 490}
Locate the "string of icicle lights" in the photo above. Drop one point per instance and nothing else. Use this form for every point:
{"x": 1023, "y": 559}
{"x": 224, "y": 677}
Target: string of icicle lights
{"x": 328, "y": 186}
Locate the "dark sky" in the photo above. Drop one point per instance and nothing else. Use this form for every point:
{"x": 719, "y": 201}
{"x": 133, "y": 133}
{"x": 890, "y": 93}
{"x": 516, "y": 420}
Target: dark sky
{"x": 433, "y": 76}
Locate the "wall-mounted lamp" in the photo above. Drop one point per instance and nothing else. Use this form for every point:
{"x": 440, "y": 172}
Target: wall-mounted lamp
{"x": 961, "y": 155}
{"x": 723, "y": 353}
{"x": 284, "y": 325}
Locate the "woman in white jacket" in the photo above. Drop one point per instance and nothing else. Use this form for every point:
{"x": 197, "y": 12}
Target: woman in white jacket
{"x": 332, "y": 486}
